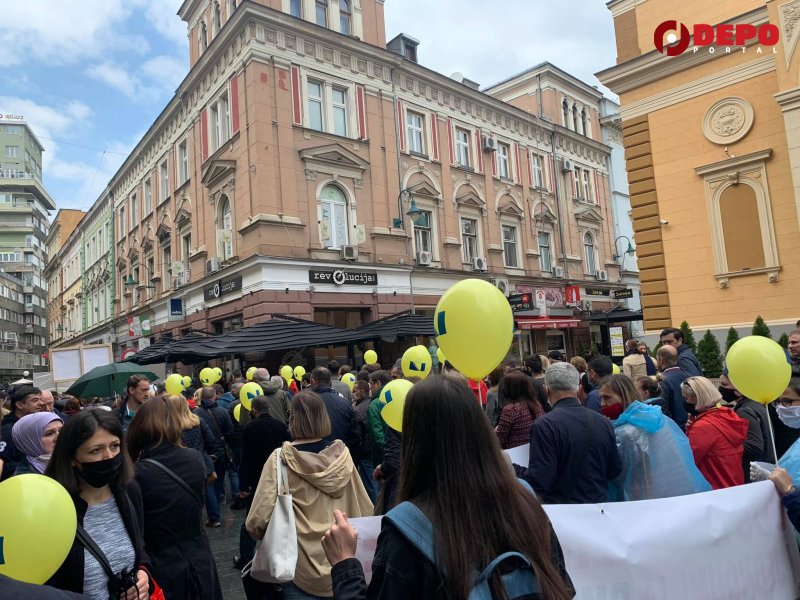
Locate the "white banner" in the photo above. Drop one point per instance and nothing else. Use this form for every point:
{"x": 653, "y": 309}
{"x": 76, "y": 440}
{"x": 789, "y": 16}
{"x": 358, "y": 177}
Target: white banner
{"x": 726, "y": 544}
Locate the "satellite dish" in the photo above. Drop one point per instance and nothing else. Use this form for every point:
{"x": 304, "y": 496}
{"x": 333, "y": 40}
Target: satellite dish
{"x": 457, "y": 76}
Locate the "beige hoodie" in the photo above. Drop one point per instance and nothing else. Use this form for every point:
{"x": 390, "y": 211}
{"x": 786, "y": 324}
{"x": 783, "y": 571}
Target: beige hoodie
{"x": 319, "y": 484}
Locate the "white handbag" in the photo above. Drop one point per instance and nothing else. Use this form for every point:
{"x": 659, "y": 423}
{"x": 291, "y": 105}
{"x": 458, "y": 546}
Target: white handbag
{"x": 276, "y": 557}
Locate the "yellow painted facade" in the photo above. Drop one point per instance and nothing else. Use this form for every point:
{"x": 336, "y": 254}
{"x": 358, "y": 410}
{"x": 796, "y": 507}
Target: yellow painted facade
{"x": 697, "y": 127}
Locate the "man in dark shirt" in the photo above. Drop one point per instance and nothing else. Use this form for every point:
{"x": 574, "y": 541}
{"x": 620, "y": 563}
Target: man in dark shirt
{"x": 340, "y": 411}
{"x": 687, "y": 361}
{"x": 598, "y": 369}
{"x": 673, "y": 377}
{"x": 573, "y": 452}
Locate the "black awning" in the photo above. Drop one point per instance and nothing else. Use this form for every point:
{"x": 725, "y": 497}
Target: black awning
{"x": 617, "y": 315}
{"x": 161, "y": 350}
{"x": 394, "y": 327}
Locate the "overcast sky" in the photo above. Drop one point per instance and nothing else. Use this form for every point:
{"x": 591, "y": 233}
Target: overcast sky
{"x": 90, "y": 76}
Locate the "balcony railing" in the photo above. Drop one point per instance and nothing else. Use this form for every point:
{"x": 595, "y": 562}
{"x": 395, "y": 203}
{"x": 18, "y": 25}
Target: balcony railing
{"x": 18, "y": 174}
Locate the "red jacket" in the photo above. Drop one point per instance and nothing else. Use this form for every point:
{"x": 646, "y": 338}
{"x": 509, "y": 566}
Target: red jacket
{"x": 480, "y": 392}
{"x": 717, "y": 437}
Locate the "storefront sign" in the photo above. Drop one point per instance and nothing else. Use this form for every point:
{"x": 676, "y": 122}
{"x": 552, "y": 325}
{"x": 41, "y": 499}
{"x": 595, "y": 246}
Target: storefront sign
{"x": 138, "y": 326}
{"x": 626, "y": 293}
{"x": 222, "y": 287}
{"x": 617, "y": 343}
{"x": 343, "y": 277}
{"x": 541, "y": 302}
{"x": 572, "y": 295}
{"x": 175, "y": 309}
{"x": 597, "y": 292}
{"x": 520, "y": 302}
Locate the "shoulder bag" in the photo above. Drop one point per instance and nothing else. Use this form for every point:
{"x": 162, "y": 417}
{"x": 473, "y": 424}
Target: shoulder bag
{"x": 276, "y": 558}
{"x": 174, "y": 476}
{"x": 228, "y": 453}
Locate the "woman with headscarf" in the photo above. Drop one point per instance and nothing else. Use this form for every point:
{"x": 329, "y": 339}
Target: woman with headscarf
{"x": 35, "y": 436}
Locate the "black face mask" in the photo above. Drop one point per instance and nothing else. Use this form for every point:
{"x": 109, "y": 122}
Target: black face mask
{"x": 101, "y": 473}
{"x": 690, "y": 408}
{"x": 728, "y": 395}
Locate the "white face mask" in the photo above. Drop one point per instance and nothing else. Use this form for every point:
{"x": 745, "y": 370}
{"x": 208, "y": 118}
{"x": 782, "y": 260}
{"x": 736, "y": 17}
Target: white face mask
{"x": 790, "y": 415}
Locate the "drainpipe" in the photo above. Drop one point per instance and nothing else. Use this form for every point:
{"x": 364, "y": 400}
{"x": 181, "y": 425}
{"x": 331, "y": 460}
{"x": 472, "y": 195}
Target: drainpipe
{"x": 558, "y": 205}
{"x": 539, "y": 93}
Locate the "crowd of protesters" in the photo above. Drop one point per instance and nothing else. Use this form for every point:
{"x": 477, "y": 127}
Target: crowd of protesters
{"x": 142, "y": 470}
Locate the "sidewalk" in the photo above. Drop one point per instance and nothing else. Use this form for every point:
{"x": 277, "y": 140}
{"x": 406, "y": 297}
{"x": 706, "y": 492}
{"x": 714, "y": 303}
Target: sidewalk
{"x": 225, "y": 544}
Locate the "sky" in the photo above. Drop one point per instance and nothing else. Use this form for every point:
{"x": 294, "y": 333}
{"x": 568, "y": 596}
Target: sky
{"x": 90, "y": 76}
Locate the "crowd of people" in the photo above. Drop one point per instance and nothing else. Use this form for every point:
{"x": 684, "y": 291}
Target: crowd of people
{"x": 143, "y": 470}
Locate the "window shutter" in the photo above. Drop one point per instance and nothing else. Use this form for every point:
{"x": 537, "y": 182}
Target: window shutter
{"x": 434, "y": 136}
{"x": 552, "y": 168}
{"x": 204, "y": 134}
{"x": 234, "y": 94}
{"x": 401, "y": 126}
{"x": 451, "y": 142}
{"x": 517, "y": 171}
{"x": 478, "y": 151}
{"x": 297, "y": 113}
{"x": 361, "y": 108}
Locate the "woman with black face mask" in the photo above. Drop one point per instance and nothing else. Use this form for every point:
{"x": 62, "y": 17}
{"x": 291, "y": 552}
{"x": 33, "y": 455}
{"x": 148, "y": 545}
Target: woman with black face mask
{"x": 107, "y": 558}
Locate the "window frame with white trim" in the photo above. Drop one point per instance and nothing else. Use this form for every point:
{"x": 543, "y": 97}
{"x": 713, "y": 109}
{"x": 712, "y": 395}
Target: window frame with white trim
{"x": 590, "y": 253}
{"x": 417, "y": 132}
{"x": 337, "y": 115}
{"x": 504, "y": 158}
{"x": 463, "y": 147}
{"x": 538, "y": 172}
{"x": 466, "y": 236}
{"x": 225, "y": 246}
{"x": 545, "y": 266}
{"x": 338, "y": 234}
{"x": 219, "y": 121}
{"x": 511, "y": 247}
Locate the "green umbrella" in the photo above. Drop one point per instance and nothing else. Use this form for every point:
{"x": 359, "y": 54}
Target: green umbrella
{"x": 107, "y": 380}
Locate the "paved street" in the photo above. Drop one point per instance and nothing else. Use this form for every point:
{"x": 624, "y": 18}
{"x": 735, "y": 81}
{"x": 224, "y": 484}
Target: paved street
{"x": 225, "y": 543}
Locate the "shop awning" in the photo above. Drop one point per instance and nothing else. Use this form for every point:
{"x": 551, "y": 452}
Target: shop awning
{"x": 528, "y": 323}
{"x": 395, "y": 327}
{"x": 617, "y": 315}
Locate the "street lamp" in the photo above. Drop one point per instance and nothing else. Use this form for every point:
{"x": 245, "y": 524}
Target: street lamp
{"x": 131, "y": 282}
{"x": 630, "y": 251}
{"x": 417, "y": 215}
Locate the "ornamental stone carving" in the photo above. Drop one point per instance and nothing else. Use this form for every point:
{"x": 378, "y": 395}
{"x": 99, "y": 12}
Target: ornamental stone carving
{"x": 790, "y": 32}
{"x": 728, "y": 121}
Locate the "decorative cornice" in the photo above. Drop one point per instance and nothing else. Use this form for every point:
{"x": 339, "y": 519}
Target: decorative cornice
{"x": 734, "y": 163}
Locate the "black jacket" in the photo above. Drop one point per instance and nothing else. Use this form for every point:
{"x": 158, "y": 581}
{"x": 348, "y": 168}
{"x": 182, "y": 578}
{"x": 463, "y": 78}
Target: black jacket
{"x": 260, "y": 438}
{"x": 390, "y": 467}
{"x": 671, "y": 393}
{"x": 340, "y": 412}
{"x": 183, "y": 564}
{"x": 363, "y": 440}
{"x": 69, "y": 575}
{"x": 758, "y": 445}
{"x": 218, "y": 421}
{"x": 785, "y": 436}
{"x": 688, "y": 362}
{"x": 10, "y": 588}
{"x": 204, "y": 441}
{"x": 9, "y": 454}
{"x": 573, "y": 455}
{"x": 400, "y": 571}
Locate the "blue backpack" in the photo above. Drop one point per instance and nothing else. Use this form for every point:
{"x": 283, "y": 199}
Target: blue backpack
{"x": 418, "y": 530}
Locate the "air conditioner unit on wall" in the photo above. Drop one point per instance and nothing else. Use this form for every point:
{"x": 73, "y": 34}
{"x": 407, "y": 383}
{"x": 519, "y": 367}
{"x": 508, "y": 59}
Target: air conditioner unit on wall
{"x": 489, "y": 143}
{"x": 213, "y": 265}
{"x": 558, "y": 272}
{"x": 567, "y": 165}
{"x": 479, "y": 264}
{"x": 502, "y": 285}
{"x": 602, "y": 276}
{"x": 349, "y": 252}
{"x": 424, "y": 258}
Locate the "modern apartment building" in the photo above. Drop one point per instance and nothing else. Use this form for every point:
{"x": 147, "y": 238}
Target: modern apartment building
{"x": 24, "y": 225}
{"x": 307, "y": 167}
{"x": 15, "y": 357}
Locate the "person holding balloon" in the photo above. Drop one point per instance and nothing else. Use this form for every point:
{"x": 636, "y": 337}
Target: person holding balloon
{"x": 91, "y": 463}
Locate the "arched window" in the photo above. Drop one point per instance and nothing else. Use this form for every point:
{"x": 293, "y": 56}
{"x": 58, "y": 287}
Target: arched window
{"x": 584, "y": 123}
{"x": 589, "y": 254}
{"x": 574, "y": 118}
{"x": 741, "y": 228}
{"x": 217, "y": 19}
{"x": 333, "y": 228}
{"x": 226, "y": 229}
{"x": 565, "y": 109}
{"x": 203, "y": 36}
{"x": 345, "y": 16}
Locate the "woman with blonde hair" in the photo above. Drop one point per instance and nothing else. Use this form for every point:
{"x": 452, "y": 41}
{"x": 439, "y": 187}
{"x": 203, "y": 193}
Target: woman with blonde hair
{"x": 321, "y": 479}
{"x": 716, "y": 434}
{"x": 616, "y": 394}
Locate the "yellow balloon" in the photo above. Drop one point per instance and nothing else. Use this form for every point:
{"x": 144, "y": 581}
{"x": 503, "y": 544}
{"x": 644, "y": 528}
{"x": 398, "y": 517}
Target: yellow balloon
{"x": 440, "y": 355}
{"x": 349, "y": 379}
{"x": 187, "y": 381}
{"x": 237, "y": 411}
{"x": 474, "y": 327}
{"x": 757, "y": 367}
{"x": 207, "y": 376}
{"x": 248, "y": 392}
{"x": 218, "y": 374}
{"x": 416, "y": 362}
{"x": 394, "y": 394}
{"x": 286, "y": 372}
{"x": 614, "y": 369}
{"x": 299, "y": 372}
{"x": 370, "y": 357}
{"x": 250, "y": 372}
{"x": 37, "y": 529}
{"x": 174, "y": 384}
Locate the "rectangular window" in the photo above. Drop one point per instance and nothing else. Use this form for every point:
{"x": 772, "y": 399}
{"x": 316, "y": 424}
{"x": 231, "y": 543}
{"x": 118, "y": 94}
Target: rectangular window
{"x": 422, "y": 233}
{"x": 462, "y": 147}
{"x": 316, "y": 105}
{"x": 576, "y": 182}
{"x": 339, "y": 103}
{"x": 12, "y": 151}
{"x": 183, "y": 161}
{"x": 322, "y": 13}
{"x": 123, "y": 224}
{"x": 545, "y": 256}
{"x": 334, "y": 219}
{"x": 469, "y": 239}
{"x": 344, "y": 17}
{"x": 134, "y": 211}
{"x": 510, "y": 246}
{"x": 166, "y": 264}
{"x": 148, "y": 197}
{"x": 163, "y": 176}
{"x": 150, "y": 264}
{"x": 502, "y": 161}
{"x": 220, "y": 122}
{"x": 296, "y": 8}
{"x": 186, "y": 249}
{"x": 537, "y": 171}
{"x": 587, "y": 186}
{"x": 416, "y": 132}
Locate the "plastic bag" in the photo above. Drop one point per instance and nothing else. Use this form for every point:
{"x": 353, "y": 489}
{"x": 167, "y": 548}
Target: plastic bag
{"x": 791, "y": 461}
{"x": 657, "y": 461}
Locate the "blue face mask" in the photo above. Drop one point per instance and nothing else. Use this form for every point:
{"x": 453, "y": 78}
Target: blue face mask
{"x": 789, "y": 415}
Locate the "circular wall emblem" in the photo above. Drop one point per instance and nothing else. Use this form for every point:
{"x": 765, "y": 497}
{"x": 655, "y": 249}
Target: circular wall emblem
{"x": 728, "y": 121}
{"x": 215, "y": 291}
{"x": 339, "y": 277}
